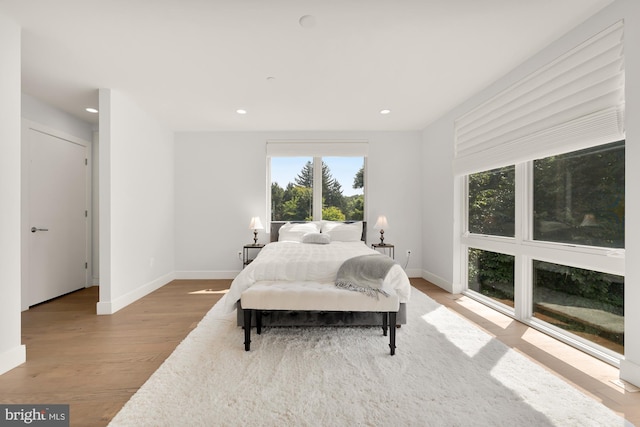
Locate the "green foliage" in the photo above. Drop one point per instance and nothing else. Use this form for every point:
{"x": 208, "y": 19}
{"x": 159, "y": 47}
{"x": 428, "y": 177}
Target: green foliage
{"x": 332, "y": 196}
{"x": 358, "y": 180}
{"x": 297, "y": 204}
{"x": 277, "y": 202}
{"x": 331, "y": 188}
{"x": 295, "y": 201}
{"x": 491, "y": 270}
{"x": 584, "y": 184}
{"x": 332, "y": 213}
{"x": 492, "y": 275}
{"x": 492, "y": 202}
{"x": 355, "y": 207}
{"x": 305, "y": 177}
{"x": 495, "y": 268}
{"x": 606, "y": 291}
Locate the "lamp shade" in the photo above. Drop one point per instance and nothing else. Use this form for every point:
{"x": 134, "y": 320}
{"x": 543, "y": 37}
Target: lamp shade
{"x": 381, "y": 223}
{"x": 255, "y": 223}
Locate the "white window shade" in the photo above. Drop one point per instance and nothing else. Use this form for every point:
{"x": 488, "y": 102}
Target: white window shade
{"x": 317, "y": 148}
{"x": 576, "y": 101}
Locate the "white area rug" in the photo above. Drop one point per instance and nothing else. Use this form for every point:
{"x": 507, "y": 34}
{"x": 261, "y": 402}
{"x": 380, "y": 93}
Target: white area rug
{"x": 446, "y": 372}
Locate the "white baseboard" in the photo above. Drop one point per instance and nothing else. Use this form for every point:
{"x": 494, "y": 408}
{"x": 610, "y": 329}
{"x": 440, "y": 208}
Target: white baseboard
{"x": 110, "y": 307}
{"x": 630, "y": 372}
{"x": 414, "y": 272}
{"x": 13, "y": 357}
{"x": 437, "y": 280}
{"x": 206, "y": 275}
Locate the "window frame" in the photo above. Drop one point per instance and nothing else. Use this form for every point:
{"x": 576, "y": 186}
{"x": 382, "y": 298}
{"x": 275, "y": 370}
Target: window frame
{"x": 525, "y": 250}
{"x": 317, "y": 150}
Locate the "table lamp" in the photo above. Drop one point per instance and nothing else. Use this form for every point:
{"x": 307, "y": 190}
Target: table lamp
{"x": 255, "y": 225}
{"x": 381, "y": 224}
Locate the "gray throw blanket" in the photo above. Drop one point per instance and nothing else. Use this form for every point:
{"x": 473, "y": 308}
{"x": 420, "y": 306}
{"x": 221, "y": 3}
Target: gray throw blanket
{"x": 364, "y": 273}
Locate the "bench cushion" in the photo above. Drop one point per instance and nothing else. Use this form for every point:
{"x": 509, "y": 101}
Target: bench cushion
{"x": 314, "y": 296}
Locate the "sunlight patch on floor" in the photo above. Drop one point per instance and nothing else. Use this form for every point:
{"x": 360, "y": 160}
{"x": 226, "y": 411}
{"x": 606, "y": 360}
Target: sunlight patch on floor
{"x": 209, "y": 291}
{"x": 489, "y": 314}
{"x": 459, "y": 334}
{"x": 630, "y": 388}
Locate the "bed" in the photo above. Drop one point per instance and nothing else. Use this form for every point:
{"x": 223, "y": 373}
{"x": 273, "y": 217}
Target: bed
{"x": 311, "y": 253}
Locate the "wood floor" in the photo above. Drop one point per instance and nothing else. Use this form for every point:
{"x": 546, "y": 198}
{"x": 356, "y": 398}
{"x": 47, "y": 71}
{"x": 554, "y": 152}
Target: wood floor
{"x": 588, "y": 374}
{"x": 96, "y": 363}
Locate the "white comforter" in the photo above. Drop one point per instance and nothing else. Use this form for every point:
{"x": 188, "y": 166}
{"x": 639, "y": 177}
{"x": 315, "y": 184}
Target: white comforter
{"x": 299, "y": 262}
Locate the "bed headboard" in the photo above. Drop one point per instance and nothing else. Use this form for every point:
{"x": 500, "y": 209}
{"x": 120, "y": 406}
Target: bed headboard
{"x": 275, "y": 228}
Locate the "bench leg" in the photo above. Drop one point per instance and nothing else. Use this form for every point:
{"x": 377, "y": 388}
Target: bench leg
{"x": 392, "y": 332}
{"x": 384, "y": 324}
{"x": 259, "y": 321}
{"x": 247, "y": 329}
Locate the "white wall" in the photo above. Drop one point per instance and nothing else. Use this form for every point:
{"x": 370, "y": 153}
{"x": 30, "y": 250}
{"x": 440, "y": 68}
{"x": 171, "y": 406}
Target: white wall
{"x": 137, "y": 196}
{"x": 12, "y": 353}
{"x": 442, "y": 224}
{"x": 438, "y": 200}
{"x": 40, "y": 112}
{"x": 95, "y": 210}
{"x": 221, "y": 184}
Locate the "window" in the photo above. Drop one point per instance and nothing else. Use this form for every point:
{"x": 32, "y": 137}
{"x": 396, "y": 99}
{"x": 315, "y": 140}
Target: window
{"x": 491, "y": 275}
{"x": 297, "y": 190}
{"x": 291, "y": 188}
{"x": 343, "y": 193}
{"x": 579, "y": 197}
{"x": 587, "y": 303}
{"x": 572, "y": 236}
{"x": 492, "y": 202}
{"x": 557, "y": 126}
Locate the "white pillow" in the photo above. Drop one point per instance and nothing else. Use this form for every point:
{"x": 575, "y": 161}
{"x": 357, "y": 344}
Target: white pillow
{"x": 318, "y": 238}
{"x": 294, "y": 232}
{"x": 341, "y": 232}
{"x": 326, "y": 226}
{"x": 317, "y": 224}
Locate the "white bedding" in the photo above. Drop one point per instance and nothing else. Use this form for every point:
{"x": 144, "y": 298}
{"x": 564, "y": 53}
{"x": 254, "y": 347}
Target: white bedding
{"x": 300, "y": 262}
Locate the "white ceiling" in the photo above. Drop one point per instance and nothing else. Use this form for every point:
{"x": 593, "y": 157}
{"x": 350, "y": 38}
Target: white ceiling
{"x": 193, "y": 63}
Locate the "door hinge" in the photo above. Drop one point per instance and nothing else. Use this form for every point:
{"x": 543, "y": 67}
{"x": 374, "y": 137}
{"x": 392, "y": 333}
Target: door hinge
{"x": 86, "y": 162}
{"x": 86, "y": 214}
{"x": 86, "y": 265}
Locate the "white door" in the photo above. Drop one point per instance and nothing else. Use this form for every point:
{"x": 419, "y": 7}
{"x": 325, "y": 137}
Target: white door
{"x": 57, "y": 217}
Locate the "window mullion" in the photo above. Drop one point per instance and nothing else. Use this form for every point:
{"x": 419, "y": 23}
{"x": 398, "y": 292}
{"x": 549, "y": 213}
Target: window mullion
{"x": 317, "y": 188}
{"x": 523, "y": 231}
{"x": 521, "y": 216}
{"x": 269, "y": 205}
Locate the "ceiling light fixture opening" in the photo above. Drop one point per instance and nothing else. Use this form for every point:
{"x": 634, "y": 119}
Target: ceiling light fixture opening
{"x": 91, "y": 110}
{"x": 307, "y": 21}
{"x": 241, "y": 111}
{"x": 385, "y": 111}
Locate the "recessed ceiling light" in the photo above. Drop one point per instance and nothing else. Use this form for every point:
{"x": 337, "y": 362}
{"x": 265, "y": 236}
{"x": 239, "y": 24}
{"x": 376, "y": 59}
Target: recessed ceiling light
{"x": 91, "y": 110}
{"x": 385, "y": 111}
{"x": 241, "y": 111}
{"x": 307, "y": 21}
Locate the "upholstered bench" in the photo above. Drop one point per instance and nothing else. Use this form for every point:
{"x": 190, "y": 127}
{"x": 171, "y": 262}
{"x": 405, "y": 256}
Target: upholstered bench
{"x": 313, "y": 296}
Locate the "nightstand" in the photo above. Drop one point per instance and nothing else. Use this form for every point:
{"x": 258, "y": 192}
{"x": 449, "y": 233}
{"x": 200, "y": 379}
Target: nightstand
{"x": 246, "y": 252}
{"x": 386, "y": 248}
